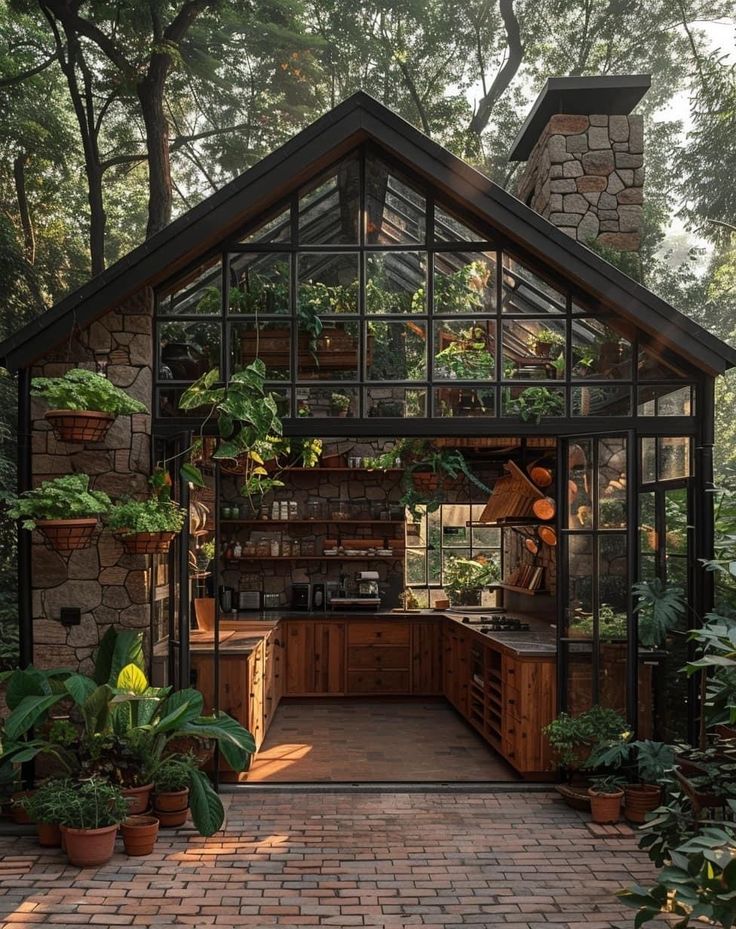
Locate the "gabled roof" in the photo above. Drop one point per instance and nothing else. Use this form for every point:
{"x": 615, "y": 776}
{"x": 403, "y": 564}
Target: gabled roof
{"x": 357, "y": 119}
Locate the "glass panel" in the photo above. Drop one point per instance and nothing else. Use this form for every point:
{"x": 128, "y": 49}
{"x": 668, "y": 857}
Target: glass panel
{"x": 464, "y": 282}
{"x": 580, "y": 485}
{"x": 601, "y": 401}
{"x": 197, "y": 294}
{"x": 525, "y": 293}
{"x": 464, "y": 351}
{"x": 187, "y": 350}
{"x": 674, "y": 457}
{"x": 613, "y": 583}
{"x": 449, "y": 229}
{"x": 465, "y": 401}
{"x": 648, "y": 537}
{"x": 396, "y": 402}
{"x": 648, "y": 460}
{"x": 168, "y": 403}
{"x": 660, "y": 367}
{"x": 329, "y": 209}
{"x": 599, "y": 352}
{"x": 396, "y": 351}
{"x": 328, "y": 284}
{"x": 665, "y": 401}
{"x": 275, "y": 229}
{"x": 533, "y": 350}
{"x": 675, "y": 519}
{"x": 331, "y": 355}
{"x": 611, "y": 483}
{"x": 455, "y": 532}
{"x": 533, "y": 404}
{"x": 580, "y": 585}
{"x": 396, "y": 282}
{"x": 395, "y": 211}
{"x": 416, "y": 567}
{"x": 327, "y": 401}
{"x": 579, "y": 677}
{"x": 259, "y": 283}
{"x": 269, "y": 341}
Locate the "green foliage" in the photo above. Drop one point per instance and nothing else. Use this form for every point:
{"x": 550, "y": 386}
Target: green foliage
{"x": 661, "y": 609}
{"x": 467, "y": 358}
{"x": 575, "y": 739}
{"x": 174, "y": 773}
{"x": 67, "y": 497}
{"x": 607, "y": 784}
{"x": 716, "y": 644}
{"x": 461, "y": 575}
{"x": 89, "y": 804}
{"x": 151, "y": 515}
{"x": 79, "y": 389}
{"x": 534, "y": 403}
{"x": 43, "y": 804}
{"x": 459, "y": 292}
{"x": 612, "y": 624}
{"x": 643, "y": 760}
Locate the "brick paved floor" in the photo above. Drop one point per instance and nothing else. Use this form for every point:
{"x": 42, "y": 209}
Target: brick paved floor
{"x": 297, "y": 859}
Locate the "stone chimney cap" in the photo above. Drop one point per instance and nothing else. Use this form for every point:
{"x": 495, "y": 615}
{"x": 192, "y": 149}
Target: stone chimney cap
{"x": 606, "y": 94}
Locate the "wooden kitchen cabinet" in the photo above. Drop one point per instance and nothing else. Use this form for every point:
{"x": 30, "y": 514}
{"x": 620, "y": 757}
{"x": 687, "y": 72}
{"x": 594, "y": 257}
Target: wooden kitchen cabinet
{"x": 456, "y": 672}
{"x": 426, "y": 658}
{"x": 378, "y": 657}
{"x": 315, "y": 657}
{"x": 529, "y": 702}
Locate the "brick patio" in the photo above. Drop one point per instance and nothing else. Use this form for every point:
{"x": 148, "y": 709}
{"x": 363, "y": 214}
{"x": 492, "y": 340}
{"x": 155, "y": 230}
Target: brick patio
{"x": 391, "y": 859}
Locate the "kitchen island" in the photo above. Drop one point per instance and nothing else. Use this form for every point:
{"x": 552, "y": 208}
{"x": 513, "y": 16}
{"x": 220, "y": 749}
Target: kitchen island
{"x": 501, "y": 682}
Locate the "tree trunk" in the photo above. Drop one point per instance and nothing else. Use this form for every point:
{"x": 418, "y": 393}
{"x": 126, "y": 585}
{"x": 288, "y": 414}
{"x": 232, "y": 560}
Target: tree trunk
{"x": 29, "y": 238}
{"x": 151, "y": 97}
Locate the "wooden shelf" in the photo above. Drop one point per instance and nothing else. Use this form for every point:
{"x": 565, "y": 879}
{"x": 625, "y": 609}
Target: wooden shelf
{"x": 343, "y": 470}
{"x": 312, "y": 522}
{"x": 522, "y": 590}
{"x": 337, "y": 558}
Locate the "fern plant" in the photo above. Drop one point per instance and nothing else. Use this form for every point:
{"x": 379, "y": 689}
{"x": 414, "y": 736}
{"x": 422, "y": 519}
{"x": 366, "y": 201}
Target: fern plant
{"x": 79, "y": 390}
{"x": 155, "y": 514}
{"x": 660, "y": 608}
{"x": 66, "y": 497}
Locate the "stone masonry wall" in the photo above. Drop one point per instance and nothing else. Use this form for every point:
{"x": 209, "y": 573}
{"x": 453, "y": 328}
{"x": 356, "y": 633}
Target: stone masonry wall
{"x": 109, "y": 587}
{"x": 586, "y": 175}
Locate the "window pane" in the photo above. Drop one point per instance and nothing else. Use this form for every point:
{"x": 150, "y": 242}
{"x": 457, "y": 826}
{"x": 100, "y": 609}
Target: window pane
{"x": 612, "y": 572}
{"x": 187, "y": 350}
{"x": 648, "y": 460}
{"x": 526, "y": 293}
{"x": 580, "y": 485}
{"x": 665, "y": 401}
{"x": 580, "y": 586}
{"x": 601, "y": 401}
{"x": 674, "y": 458}
{"x": 579, "y": 665}
{"x": 533, "y": 350}
{"x": 532, "y": 404}
{"x": 329, "y": 210}
{"x": 395, "y": 211}
{"x": 327, "y": 401}
{"x": 611, "y": 483}
{"x": 599, "y": 352}
{"x": 648, "y": 537}
{"x": 659, "y": 367}
{"x": 416, "y": 567}
{"x": 331, "y": 355}
{"x": 328, "y": 284}
{"x": 464, "y": 351}
{"x": 396, "y": 282}
{"x": 675, "y": 517}
{"x": 275, "y": 229}
{"x": 396, "y": 351}
{"x": 198, "y": 294}
{"x": 447, "y": 228}
{"x": 259, "y": 283}
{"x": 396, "y": 402}
{"x": 269, "y": 341}
{"x": 464, "y": 283}
{"x": 465, "y": 401}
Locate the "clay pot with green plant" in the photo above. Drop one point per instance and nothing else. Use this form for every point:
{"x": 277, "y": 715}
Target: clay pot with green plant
{"x": 89, "y": 814}
{"x": 146, "y": 526}
{"x": 340, "y": 404}
{"x": 606, "y": 793}
{"x": 42, "y": 807}
{"x": 574, "y": 739}
{"x": 83, "y": 404}
{"x": 645, "y": 764}
{"x": 543, "y": 340}
{"x": 63, "y": 509}
{"x": 172, "y": 782}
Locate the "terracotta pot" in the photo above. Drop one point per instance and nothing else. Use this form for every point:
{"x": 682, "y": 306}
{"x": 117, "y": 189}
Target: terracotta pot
{"x": 542, "y": 349}
{"x": 62, "y": 833}
{"x": 49, "y": 835}
{"x": 67, "y": 535}
{"x": 139, "y": 798}
{"x": 426, "y": 481}
{"x": 80, "y": 425}
{"x": 202, "y": 749}
{"x": 605, "y": 808}
{"x": 170, "y": 820}
{"x": 171, "y": 801}
{"x": 147, "y": 543}
{"x": 139, "y": 834}
{"x": 544, "y": 508}
{"x": 17, "y": 813}
{"x": 640, "y": 799}
{"x": 204, "y": 612}
{"x": 334, "y": 461}
{"x": 88, "y": 848}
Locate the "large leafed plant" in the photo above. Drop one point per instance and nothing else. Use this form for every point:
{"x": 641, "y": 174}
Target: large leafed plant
{"x": 79, "y": 389}
{"x": 66, "y": 497}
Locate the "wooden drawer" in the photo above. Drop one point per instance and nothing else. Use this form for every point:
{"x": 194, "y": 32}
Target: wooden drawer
{"x": 378, "y": 633}
{"x": 378, "y": 682}
{"x": 378, "y": 657}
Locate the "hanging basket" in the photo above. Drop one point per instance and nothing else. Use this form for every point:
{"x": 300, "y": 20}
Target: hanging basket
{"x": 67, "y": 535}
{"x": 147, "y": 543}
{"x": 80, "y": 425}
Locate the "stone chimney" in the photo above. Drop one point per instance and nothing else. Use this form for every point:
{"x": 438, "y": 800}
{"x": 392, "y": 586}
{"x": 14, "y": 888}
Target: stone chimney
{"x": 584, "y": 154}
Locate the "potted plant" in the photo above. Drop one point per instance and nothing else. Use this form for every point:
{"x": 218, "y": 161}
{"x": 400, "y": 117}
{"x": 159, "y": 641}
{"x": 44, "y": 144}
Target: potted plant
{"x": 606, "y": 793}
{"x": 465, "y": 578}
{"x": 172, "y": 782}
{"x": 646, "y": 764}
{"x": 124, "y": 759}
{"x": 89, "y": 814}
{"x": 42, "y": 807}
{"x": 83, "y": 404}
{"x": 534, "y": 403}
{"x": 543, "y": 339}
{"x": 146, "y": 526}
{"x": 340, "y": 404}
{"x": 139, "y": 834}
{"x": 64, "y": 509}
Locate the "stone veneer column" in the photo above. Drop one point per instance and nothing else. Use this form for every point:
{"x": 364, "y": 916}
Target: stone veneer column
{"x": 109, "y": 587}
{"x": 586, "y": 175}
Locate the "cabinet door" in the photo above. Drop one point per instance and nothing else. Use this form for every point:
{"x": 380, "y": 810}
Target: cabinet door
{"x": 426, "y": 657}
{"x": 255, "y": 694}
{"x": 529, "y": 704}
{"x": 456, "y": 669}
{"x": 315, "y": 657}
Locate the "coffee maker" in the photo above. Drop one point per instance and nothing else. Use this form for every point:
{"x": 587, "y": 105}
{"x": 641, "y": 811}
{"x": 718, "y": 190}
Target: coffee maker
{"x": 366, "y": 585}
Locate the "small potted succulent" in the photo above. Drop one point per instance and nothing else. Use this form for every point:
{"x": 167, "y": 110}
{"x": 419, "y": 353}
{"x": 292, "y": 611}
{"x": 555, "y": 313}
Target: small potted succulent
{"x": 83, "y": 404}
{"x": 172, "y": 780}
{"x": 465, "y": 578}
{"x": 340, "y": 404}
{"x": 606, "y": 793}
{"x": 42, "y": 807}
{"x": 148, "y": 526}
{"x": 64, "y": 509}
{"x": 89, "y": 814}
